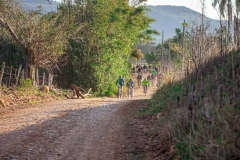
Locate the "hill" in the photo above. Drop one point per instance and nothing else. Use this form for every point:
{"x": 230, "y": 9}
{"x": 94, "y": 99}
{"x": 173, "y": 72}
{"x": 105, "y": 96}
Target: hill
{"x": 168, "y": 18}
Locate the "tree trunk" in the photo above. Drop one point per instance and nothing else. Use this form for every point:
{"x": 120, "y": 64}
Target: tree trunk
{"x": 30, "y": 70}
{"x": 229, "y": 20}
{"x": 30, "y": 67}
{"x": 235, "y": 31}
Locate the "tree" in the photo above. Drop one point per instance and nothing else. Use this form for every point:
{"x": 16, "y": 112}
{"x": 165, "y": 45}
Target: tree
{"x": 224, "y": 5}
{"x": 137, "y": 54}
{"x": 100, "y": 50}
{"x": 152, "y": 58}
{"x": 40, "y": 36}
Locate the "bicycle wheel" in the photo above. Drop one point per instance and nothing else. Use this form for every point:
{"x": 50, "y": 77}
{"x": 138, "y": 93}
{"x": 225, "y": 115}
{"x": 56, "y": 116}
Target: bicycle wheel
{"x": 119, "y": 92}
{"x": 131, "y": 92}
{"x": 145, "y": 90}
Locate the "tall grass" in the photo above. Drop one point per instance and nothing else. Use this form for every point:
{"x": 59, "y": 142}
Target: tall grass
{"x": 202, "y": 111}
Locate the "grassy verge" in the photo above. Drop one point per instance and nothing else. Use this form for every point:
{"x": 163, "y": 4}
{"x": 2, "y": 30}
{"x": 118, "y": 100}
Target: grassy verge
{"x": 202, "y": 112}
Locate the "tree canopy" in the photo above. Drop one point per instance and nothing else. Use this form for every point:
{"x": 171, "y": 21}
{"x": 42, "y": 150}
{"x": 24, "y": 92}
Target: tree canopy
{"x": 41, "y": 37}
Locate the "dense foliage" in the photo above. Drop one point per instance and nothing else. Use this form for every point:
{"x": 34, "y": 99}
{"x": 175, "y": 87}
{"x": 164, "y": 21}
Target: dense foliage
{"x": 101, "y": 47}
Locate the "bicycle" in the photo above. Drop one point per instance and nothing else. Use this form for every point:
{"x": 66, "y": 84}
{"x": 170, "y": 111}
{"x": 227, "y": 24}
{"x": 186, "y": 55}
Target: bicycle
{"x": 119, "y": 91}
{"x": 130, "y": 91}
{"x": 145, "y": 90}
{"x": 139, "y": 79}
{"x": 139, "y": 83}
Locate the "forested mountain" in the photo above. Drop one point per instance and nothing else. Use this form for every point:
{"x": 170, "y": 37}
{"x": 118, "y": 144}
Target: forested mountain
{"x": 168, "y": 18}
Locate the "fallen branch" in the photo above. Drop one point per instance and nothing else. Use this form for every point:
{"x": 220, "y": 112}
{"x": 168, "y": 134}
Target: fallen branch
{"x": 88, "y": 93}
{"x": 67, "y": 96}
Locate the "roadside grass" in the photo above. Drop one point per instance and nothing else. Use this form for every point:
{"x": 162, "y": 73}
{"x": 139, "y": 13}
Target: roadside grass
{"x": 202, "y": 111}
{"x": 163, "y": 97}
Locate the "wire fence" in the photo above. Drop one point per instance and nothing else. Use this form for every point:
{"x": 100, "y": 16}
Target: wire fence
{"x": 11, "y": 77}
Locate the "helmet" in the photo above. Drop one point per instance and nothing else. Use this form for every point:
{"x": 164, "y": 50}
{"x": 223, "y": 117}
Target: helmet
{"x": 130, "y": 79}
{"x": 120, "y": 76}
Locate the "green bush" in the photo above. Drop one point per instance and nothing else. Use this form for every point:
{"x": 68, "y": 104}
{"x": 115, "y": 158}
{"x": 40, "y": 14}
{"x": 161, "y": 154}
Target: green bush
{"x": 108, "y": 93}
{"x": 25, "y": 84}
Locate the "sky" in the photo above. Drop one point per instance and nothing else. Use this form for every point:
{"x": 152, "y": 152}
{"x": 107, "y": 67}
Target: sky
{"x": 192, "y": 4}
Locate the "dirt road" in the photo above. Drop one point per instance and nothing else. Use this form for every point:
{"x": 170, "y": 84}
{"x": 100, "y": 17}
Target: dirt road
{"x": 82, "y": 129}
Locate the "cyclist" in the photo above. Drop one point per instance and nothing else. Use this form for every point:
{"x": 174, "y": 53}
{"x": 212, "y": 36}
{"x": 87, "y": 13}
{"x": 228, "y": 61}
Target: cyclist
{"x": 149, "y": 77}
{"x": 149, "y": 69}
{"x": 152, "y": 79}
{"x": 120, "y": 83}
{"x": 133, "y": 69}
{"x": 156, "y": 69}
{"x": 154, "y": 72}
{"x": 130, "y": 86}
{"x": 139, "y": 79}
{"x": 140, "y": 70}
{"x": 145, "y": 68}
{"x": 145, "y": 84}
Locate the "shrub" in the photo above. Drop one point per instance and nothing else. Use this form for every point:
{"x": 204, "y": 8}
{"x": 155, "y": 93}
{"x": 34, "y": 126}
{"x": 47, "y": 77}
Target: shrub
{"x": 25, "y": 84}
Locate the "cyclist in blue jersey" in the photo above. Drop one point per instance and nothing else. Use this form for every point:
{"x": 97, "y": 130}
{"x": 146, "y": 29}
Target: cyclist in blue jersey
{"x": 120, "y": 84}
{"x": 130, "y": 85}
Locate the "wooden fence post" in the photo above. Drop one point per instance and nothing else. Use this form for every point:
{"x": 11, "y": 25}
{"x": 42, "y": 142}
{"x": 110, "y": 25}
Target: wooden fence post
{"x": 15, "y": 73}
{"x": 37, "y": 77}
{"x": 49, "y": 80}
{"x": 43, "y": 81}
{"x": 19, "y": 71}
{"x": 10, "y": 76}
{"x": 22, "y": 76}
{"x": 2, "y": 71}
{"x": 34, "y": 79}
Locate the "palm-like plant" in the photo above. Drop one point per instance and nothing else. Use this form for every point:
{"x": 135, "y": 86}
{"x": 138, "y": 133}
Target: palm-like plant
{"x": 227, "y": 5}
{"x": 222, "y": 4}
